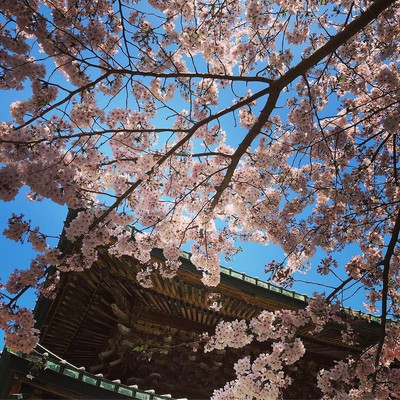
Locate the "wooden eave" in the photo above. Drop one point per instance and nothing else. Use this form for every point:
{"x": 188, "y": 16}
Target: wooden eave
{"x": 80, "y": 326}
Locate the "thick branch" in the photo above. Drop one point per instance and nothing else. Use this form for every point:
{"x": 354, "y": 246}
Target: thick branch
{"x": 339, "y": 288}
{"x": 336, "y": 41}
{"x": 300, "y": 69}
{"x": 173, "y": 149}
{"x": 385, "y": 285}
{"x": 174, "y": 75}
{"x": 253, "y": 133}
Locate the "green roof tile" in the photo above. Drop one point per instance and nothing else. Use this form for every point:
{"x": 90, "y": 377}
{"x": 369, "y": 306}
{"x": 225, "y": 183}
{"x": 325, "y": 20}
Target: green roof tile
{"x": 75, "y": 373}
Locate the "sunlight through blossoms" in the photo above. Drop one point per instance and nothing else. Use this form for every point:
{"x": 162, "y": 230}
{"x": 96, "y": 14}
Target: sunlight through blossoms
{"x": 202, "y": 123}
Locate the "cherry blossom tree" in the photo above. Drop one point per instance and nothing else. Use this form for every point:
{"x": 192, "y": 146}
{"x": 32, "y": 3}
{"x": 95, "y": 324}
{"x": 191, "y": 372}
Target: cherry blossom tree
{"x": 205, "y": 122}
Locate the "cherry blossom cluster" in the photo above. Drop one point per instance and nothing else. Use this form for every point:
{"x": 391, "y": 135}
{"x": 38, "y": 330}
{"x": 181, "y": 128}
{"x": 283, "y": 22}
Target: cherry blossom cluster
{"x": 263, "y": 377}
{"x": 19, "y": 327}
{"x": 17, "y": 228}
{"x": 374, "y": 379}
{"x": 204, "y": 123}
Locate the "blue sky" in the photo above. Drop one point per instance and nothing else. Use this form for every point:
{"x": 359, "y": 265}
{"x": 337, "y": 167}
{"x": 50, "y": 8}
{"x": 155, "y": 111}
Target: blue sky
{"x": 50, "y": 218}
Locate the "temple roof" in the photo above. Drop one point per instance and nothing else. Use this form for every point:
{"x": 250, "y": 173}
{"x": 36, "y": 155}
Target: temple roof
{"x": 106, "y": 321}
{"x": 58, "y": 379}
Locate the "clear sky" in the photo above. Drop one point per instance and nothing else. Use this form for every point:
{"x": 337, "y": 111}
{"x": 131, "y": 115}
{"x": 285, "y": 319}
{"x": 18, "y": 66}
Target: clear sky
{"x": 50, "y": 218}
{"x": 46, "y": 214}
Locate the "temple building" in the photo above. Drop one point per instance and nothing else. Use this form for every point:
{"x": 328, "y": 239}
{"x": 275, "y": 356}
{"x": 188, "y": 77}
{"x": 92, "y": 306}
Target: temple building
{"x": 105, "y": 336}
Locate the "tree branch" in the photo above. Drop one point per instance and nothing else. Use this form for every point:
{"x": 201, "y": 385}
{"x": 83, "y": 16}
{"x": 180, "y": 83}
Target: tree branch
{"x": 300, "y": 69}
{"x": 65, "y": 99}
{"x": 174, "y": 148}
{"x": 385, "y": 286}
